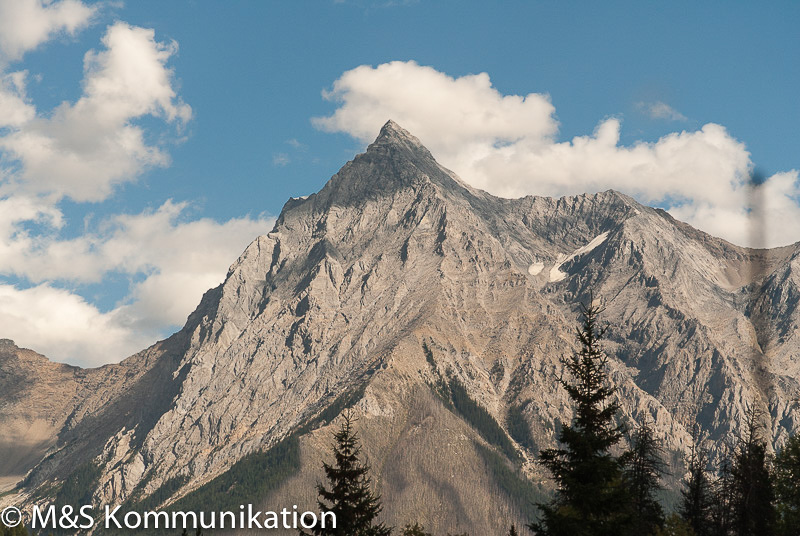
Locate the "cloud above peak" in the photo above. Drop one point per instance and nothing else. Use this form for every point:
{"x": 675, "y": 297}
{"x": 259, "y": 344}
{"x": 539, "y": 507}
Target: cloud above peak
{"x": 433, "y": 105}
{"x": 508, "y": 145}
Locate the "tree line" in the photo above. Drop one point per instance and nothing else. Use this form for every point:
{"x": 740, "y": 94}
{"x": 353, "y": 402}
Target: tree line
{"x": 598, "y": 493}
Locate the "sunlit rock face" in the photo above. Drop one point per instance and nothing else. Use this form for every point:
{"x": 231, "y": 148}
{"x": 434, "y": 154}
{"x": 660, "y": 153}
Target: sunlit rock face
{"x": 394, "y": 255}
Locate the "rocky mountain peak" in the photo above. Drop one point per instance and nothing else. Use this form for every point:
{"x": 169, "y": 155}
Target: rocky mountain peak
{"x": 395, "y": 161}
{"x": 396, "y": 137}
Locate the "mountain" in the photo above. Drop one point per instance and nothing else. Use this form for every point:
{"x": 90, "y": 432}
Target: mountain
{"x": 439, "y": 313}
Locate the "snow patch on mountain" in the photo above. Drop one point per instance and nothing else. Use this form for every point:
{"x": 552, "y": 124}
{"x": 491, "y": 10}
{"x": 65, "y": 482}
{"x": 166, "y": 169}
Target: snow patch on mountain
{"x": 555, "y": 272}
{"x": 536, "y": 268}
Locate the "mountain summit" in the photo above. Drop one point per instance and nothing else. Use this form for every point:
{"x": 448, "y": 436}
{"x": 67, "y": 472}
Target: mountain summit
{"x": 393, "y": 135}
{"x": 439, "y": 313}
{"x": 394, "y": 161}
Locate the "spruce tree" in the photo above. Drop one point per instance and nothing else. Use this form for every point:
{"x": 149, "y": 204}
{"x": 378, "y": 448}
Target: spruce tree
{"x": 18, "y": 530}
{"x": 674, "y": 525}
{"x": 350, "y": 496}
{"x": 787, "y": 488}
{"x": 723, "y": 499}
{"x": 415, "y": 530}
{"x": 696, "y": 496}
{"x": 589, "y": 499}
{"x": 512, "y": 531}
{"x": 754, "y": 511}
{"x": 644, "y": 468}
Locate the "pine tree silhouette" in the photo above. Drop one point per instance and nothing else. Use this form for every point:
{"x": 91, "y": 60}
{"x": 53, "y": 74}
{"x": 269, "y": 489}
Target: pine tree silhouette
{"x": 415, "y": 530}
{"x": 723, "y": 499}
{"x": 787, "y": 487}
{"x": 696, "y": 496}
{"x": 349, "y": 496}
{"x": 644, "y": 468}
{"x": 590, "y": 499}
{"x": 18, "y": 530}
{"x": 754, "y": 511}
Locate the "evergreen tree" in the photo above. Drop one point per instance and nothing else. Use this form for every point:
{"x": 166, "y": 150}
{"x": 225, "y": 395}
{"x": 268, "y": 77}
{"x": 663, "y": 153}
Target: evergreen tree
{"x": 512, "y": 531}
{"x": 754, "y": 511}
{"x": 18, "y": 530}
{"x": 675, "y": 525}
{"x": 589, "y": 500}
{"x": 696, "y": 494}
{"x": 350, "y": 498}
{"x": 723, "y": 499}
{"x": 415, "y": 530}
{"x": 644, "y": 468}
{"x": 787, "y": 488}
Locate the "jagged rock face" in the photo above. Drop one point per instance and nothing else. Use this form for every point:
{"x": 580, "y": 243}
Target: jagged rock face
{"x": 30, "y": 414}
{"x": 395, "y": 251}
{"x": 64, "y": 410}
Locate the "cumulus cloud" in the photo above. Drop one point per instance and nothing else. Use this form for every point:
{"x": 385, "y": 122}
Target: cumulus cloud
{"x": 181, "y": 260}
{"x": 64, "y": 326}
{"x": 451, "y": 111}
{"x": 176, "y": 261}
{"x": 80, "y": 151}
{"x": 26, "y": 24}
{"x": 507, "y": 145}
{"x": 151, "y": 241}
{"x": 14, "y": 108}
{"x": 83, "y": 149}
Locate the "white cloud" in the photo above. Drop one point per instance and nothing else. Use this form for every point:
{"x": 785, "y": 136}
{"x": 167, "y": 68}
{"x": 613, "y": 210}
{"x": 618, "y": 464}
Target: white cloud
{"x": 82, "y": 150}
{"x": 63, "y": 326}
{"x": 26, "y": 24}
{"x": 153, "y": 241}
{"x": 767, "y": 215}
{"x": 14, "y": 108}
{"x": 452, "y": 111}
{"x": 182, "y": 260}
{"x": 661, "y": 110}
{"x": 506, "y": 144}
{"x": 178, "y": 261}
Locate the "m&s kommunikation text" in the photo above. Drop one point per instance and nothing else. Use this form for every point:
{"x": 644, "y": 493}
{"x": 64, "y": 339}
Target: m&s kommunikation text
{"x": 246, "y": 517}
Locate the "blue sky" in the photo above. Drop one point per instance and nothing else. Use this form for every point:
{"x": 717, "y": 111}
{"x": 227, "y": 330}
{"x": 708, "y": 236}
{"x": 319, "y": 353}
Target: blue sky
{"x": 207, "y": 113}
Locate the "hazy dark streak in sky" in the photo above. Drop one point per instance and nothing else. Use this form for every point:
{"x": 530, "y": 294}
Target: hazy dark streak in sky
{"x": 757, "y": 301}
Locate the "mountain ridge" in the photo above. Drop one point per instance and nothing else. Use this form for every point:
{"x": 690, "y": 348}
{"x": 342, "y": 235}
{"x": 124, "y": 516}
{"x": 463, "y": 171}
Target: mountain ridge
{"x": 394, "y": 255}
